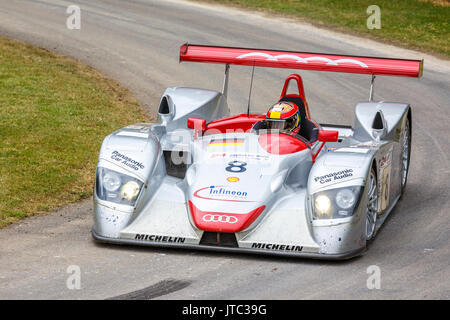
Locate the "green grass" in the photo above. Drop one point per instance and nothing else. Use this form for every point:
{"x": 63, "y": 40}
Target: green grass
{"x": 416, "y": 24}
{"x": 54, "y": 114}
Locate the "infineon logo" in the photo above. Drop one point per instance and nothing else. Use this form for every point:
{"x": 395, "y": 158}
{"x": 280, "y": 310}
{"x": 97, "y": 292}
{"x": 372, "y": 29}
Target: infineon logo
{"x": 222, "y": 193}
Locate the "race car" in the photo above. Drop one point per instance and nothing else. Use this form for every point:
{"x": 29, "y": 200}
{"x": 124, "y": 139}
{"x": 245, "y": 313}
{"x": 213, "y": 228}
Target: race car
{"x": 201, "y": 178}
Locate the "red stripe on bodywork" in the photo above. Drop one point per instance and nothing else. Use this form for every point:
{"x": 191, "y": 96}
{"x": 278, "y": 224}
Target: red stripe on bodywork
{"x": 240, "y": 122}
{"x": 203, "y": 220}
{"x": 280, "y": 143}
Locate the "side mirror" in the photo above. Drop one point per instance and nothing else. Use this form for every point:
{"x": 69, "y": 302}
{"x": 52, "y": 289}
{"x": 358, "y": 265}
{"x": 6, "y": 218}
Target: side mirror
{"x": 199, "y": 126}
{"x": 328, "y": 136}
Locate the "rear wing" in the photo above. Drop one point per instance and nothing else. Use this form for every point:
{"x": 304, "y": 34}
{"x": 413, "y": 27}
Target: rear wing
{"x": 301, "y": 60}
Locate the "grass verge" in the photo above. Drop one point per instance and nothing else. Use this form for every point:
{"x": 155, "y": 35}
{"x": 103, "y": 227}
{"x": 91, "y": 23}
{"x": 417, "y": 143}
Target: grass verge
{"x": 54, "y": 114}
{"x": 417, "y": 24}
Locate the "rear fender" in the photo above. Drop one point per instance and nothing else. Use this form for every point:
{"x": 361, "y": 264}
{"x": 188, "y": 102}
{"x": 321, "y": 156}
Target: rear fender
{"x": 381, "y": 120}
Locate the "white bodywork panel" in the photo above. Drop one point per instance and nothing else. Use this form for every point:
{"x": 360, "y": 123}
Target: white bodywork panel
{"x": 165, "y": 215}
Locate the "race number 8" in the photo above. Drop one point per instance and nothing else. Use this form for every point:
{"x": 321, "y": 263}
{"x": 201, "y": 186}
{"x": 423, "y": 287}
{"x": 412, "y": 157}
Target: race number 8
{"x": 236, "y": 166}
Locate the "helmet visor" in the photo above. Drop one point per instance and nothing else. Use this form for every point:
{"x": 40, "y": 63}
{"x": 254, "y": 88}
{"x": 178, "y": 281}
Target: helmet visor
{"x": 281, "y": 124}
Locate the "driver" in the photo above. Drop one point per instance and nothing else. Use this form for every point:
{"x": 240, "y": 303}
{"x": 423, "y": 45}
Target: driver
{"x": 283, "y": 116}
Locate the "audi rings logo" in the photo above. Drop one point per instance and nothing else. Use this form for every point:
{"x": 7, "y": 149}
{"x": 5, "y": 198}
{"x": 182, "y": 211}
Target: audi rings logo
{"x": 219, "y": 218}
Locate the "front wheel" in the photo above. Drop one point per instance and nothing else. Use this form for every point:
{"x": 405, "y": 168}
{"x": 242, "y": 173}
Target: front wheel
{"x": 406, "y": 153}
{"x": 372, "y": 205}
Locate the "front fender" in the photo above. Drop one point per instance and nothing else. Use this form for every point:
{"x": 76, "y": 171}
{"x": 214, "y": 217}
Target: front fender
{"x": 134, "y": 151}
{"x": 337, "y": 170}
{"x": 344, "y": 167}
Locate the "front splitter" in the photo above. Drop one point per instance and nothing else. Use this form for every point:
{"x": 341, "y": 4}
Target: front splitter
{"x": 307, "y": 255}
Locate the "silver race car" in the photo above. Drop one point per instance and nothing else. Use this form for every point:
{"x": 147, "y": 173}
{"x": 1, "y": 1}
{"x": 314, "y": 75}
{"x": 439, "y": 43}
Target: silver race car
{"x": 201, "y": 178}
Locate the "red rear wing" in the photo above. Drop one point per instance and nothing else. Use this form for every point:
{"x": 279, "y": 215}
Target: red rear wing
{"x": 301, "y": 60}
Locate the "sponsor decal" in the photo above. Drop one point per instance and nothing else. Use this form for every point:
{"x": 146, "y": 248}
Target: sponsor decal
{"x": 385, "y": 181}
{"x": 386, "y": 160}
{"x": 232, "y": 179}
{"x": 366, "y": 144}
{"x": 226, "y": 142}
{"x": 137, "y": 134}
{"x": 249, "y": 156}
{"x": 156, "y": 238}
{"x": 129, "y": 162}
{"x": 302, "y": 60}
{"x": 219, "y": 218}
{"x": 334, "y": 176}
{"x": 240, "y": 156}
{"x": 353, "y": 149}
{"x": 217, "y": 155}
{"x": 222, "y": 193}
{"x": 138, "y": 127}
{"x": 280, "y": 247}
{"x": 362, "y": 241}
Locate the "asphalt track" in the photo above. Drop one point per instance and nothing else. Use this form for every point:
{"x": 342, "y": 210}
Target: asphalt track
{"x": 136, "y": 42}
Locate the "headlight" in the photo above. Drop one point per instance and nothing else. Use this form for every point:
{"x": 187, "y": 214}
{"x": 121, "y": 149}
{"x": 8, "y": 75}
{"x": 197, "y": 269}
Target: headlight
{"x": 345, "y": 198}
{"x": 335, "y": 203}
{"x": 111, "y": 181}
{"x": 322, "y": 204}
{"x": 130, "y": 190}
{"x": 117, "y": 187}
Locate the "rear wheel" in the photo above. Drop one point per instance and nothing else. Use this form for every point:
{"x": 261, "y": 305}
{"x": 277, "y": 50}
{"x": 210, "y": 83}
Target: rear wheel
{"x": 372, "y": 205}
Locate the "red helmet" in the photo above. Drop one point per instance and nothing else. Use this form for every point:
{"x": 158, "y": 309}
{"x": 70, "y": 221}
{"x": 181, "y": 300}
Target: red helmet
{"x": 283, "y": 116}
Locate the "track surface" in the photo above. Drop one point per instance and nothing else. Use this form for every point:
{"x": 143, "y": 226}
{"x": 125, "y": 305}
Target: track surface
{"x": 136, "y": 42}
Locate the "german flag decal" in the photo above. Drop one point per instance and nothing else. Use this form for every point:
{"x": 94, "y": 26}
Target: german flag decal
{"x": 226, "y": 142}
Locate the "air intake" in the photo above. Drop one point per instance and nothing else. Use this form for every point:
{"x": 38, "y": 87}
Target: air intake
{"x": 379, "y": 129}
{"x": 378, "y": 123}
{"x": 164, "y": 106}
{"x": 222, "y": 239}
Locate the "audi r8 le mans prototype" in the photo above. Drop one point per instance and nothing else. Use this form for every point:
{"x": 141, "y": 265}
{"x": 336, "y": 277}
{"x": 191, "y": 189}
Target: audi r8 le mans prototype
{"x": 202, "y": 179}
